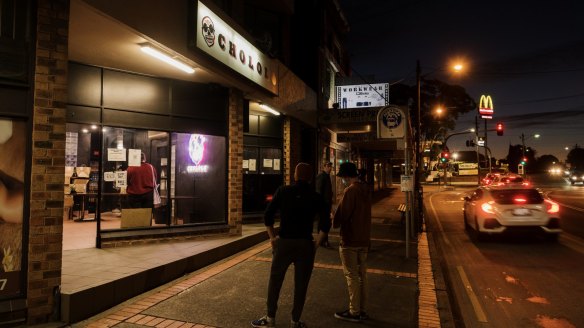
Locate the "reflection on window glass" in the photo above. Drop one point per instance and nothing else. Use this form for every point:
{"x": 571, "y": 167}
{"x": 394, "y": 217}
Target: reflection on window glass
{"x": 198, "y": 178}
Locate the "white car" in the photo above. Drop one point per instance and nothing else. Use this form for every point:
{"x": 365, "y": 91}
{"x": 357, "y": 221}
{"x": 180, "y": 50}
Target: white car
{"x": 496, "y": 209}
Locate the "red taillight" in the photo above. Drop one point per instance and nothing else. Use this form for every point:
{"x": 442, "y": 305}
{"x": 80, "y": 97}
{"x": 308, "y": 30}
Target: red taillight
{"x": 519, "y": 200}
{"x": 552, "y": 207}
{"x": 488, "y": 208}
{"x": 269, "y": 198}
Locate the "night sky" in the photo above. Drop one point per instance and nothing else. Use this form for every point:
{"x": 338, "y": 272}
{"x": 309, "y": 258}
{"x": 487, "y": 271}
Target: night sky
{"x": 528, "y": 55}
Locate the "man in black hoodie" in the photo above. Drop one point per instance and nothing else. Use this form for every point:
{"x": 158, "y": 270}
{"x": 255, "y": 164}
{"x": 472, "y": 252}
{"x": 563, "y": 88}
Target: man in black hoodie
{"x": 298, "y": 204}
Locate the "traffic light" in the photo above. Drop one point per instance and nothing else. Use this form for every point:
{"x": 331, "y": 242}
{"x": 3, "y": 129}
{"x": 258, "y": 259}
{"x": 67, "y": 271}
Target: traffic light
{"x": 470, "y": 143}
{"x": 444, "y": 157}
{"x": 499, "y": 129}
{"x": 524, "y": 161}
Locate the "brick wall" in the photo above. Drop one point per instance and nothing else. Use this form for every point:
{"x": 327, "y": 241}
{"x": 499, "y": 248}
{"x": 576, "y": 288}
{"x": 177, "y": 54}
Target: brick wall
{"x": 235, "y": 171}
{"x": 48, "y": 159}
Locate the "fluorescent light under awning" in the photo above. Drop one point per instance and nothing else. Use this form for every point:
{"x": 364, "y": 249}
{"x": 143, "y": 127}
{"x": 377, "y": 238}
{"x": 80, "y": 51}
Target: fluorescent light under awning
{"x": 158, "y": 54}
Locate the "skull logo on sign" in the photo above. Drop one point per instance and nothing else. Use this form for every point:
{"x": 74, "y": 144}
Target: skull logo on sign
{"x": 208, "y": 30}
{"x": 197, "y": 148}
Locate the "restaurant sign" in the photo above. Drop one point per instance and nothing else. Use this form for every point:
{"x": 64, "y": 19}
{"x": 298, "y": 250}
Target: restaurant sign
{"x": 219, "y": 40}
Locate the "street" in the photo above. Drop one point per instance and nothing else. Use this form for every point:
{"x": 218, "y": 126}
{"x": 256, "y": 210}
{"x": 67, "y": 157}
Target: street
{"x": 512, "y": 281}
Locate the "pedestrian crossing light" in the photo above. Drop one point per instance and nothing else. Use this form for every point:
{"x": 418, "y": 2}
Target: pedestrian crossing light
{"x": 500, "y": 129}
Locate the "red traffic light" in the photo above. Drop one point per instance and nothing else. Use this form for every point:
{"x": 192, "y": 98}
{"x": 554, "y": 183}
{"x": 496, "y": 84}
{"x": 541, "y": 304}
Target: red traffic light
{"x": 500, "y": 129}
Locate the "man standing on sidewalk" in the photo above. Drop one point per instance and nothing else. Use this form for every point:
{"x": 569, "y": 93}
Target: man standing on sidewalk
{"x": 353, "y": 216}
{"x": 325, "y": 188}
{"x": 298, "y": 204}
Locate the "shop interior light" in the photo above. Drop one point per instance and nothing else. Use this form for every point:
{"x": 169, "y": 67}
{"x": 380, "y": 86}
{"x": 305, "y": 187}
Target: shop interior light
{"x": 270, "y": 109}
{"x": 147, "y": 48}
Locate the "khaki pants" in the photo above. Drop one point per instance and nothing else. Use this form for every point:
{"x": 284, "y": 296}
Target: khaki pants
{"x": 355, "y": 268}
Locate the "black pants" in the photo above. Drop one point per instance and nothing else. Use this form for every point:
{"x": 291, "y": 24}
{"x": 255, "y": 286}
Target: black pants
{"x": 287, "y": 251}
{"x": 141, "y": 201}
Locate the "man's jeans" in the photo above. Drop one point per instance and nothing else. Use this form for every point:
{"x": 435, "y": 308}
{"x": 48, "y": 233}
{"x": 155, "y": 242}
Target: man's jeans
{"x": 354, "y": 261}
{"x": 287, "y": 251}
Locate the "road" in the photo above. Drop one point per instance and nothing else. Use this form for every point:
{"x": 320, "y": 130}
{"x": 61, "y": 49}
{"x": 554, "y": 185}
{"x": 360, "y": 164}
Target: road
{"x": 514, "y": 281}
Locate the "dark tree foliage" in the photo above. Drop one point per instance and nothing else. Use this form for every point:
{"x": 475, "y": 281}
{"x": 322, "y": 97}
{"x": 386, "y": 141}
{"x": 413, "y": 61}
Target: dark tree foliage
{"x": 544, "y": 162}
{"x": 433, "y": 93}
{"x": 576, "y": 158}
{"x": 516, "y": 154}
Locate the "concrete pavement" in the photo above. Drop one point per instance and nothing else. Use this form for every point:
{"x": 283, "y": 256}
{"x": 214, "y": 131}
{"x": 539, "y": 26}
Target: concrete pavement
{"x": 232, "y": 292}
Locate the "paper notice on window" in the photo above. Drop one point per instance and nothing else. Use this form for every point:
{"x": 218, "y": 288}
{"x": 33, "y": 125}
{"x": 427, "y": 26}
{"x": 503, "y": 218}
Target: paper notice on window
{"x": 109, "y": 176}
{"x": 245, "y": 164}
{"x": 116, "y": 155}
{"x": 121, "y": 179}
{"x": 134, "y": 157}
{"x": 252, "y": 164}
{"x": 163, "y": 161}
{"x": 276, "y": 164}
{"x": 268, "y": 162}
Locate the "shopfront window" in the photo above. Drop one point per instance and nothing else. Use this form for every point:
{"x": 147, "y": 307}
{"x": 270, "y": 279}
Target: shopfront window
{"x": 12, "y": 166}
{"x": 262, "y": 176}
{"x": 188, "y": 171}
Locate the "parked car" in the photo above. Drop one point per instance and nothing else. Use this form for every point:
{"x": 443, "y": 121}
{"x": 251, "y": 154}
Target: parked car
{"x": 497, "y": 209}
{"x": 576, "y": 176}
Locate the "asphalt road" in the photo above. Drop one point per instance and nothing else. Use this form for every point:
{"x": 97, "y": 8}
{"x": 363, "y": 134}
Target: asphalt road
{"x": 514, "y": 281}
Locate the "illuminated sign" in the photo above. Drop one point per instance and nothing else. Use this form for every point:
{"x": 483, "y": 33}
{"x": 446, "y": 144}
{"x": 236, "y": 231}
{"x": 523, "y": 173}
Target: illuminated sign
{"x": 391, "y": 123}
{"x": 197, "y": 154}
{"x": 222, "y": 42}
{"x": 486, "y": 107}
{"x": 363, "y": 95}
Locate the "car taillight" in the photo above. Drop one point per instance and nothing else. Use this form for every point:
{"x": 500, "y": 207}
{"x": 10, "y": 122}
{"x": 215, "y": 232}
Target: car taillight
{"x": 519, "y": 200}
{"x": 552, "y": 207}
{"x": 488, "y": 208}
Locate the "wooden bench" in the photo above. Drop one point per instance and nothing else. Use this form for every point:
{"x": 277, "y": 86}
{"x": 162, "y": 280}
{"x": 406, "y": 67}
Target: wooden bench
{"x": 402, "y": 208}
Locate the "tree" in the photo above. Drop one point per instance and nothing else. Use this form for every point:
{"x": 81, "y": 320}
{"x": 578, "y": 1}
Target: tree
{"x": 544, "y": 162}
{"x": 433, "y": 93}
{"x": 576, "y": 158}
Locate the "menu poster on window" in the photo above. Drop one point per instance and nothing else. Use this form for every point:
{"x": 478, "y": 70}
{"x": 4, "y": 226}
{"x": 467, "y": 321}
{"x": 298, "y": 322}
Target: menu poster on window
{"x": 246, "y": 164}
{"x": 276, "y": 164}
{"x": 116, "y": 155}
{"x": 252, "y": 164}
{"x": 268, "y": 162}
{"x": 134, "y": 157}
{"x": 12, "y": 166}
{"x": 109, "y": 176}
{"x": 121, "y": 179}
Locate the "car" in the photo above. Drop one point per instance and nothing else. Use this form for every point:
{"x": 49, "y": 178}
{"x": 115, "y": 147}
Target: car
{"x": 498, "y": 209}
{"x": 509, "y": 179}
{"x": 576, "y": 176}
{"x": 489, "y": 178}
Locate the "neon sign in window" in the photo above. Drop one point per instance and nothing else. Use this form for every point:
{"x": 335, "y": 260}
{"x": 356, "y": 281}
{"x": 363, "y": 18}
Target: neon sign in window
{"x": 197, "y": 154}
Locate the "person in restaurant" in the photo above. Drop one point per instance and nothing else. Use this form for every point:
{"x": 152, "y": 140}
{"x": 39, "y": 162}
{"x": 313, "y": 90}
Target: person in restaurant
{"x": 141, "y": 183}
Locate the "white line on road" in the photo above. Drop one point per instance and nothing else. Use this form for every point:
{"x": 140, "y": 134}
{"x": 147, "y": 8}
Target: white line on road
{"x": 481, "y": 317}
{"x": 446, "y": 241}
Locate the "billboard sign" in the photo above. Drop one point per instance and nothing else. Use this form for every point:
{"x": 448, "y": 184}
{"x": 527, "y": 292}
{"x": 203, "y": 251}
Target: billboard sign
{"x": 363, "y": 95}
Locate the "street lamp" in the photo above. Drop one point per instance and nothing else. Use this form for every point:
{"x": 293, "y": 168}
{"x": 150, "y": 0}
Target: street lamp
{"x": 457, "y": 67}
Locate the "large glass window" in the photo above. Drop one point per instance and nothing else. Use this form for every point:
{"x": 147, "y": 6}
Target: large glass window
{"x": 188, "y": 170}
{"x": 262, "y": 169}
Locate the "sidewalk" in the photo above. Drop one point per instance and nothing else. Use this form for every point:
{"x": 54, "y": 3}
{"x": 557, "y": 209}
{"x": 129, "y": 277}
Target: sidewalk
{"x": 232, "y": 291}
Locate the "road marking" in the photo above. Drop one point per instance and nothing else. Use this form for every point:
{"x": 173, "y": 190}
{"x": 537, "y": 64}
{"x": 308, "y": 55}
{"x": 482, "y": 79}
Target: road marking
{"x": 446, "y": 241}
{"x": 572, "y": 242}
{"x": 481, "y": 317}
